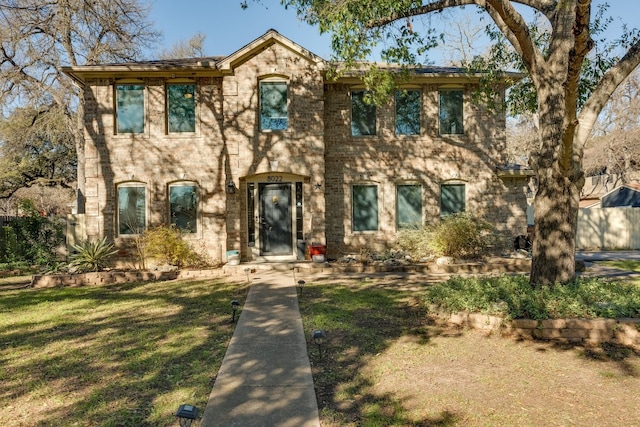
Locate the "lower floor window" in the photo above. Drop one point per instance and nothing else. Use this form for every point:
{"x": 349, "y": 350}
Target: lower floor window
{"x": 183, "y": 207}
{"x": 132, "y": 208}
{"x": 365, "y": 207}
{"x": 409, "y": 206}
{"x": 452, "y": 199}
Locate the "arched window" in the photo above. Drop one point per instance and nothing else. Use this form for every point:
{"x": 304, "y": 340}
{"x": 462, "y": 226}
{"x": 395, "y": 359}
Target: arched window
{"x": 183, "y": 206}
{"x": 132, "y": 208}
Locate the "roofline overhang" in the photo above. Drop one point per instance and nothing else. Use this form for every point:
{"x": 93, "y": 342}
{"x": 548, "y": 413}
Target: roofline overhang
{"x": 82, "y": 73}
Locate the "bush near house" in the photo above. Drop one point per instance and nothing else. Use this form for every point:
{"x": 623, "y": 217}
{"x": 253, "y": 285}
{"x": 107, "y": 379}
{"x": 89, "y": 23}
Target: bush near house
{"x": 459, "y": 236}
{"x": 167, "y": 244}
{"x": 31, "y": 238}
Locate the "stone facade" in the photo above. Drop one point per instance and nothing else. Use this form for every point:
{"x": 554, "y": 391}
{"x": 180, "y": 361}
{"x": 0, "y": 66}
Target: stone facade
{"x": 241, "y": 172}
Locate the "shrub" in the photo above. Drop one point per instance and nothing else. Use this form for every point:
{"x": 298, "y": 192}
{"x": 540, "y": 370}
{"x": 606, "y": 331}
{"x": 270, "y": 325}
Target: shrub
{"x": 459, "y": 236}
{"x": 167, "y": 244}
{"x": 514, "y": 297}
{"x": 92, "y": 256}
{"x": 32, "y": 238}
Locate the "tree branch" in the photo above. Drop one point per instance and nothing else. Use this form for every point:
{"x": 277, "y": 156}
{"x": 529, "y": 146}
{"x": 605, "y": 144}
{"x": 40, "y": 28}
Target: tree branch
{"x": 603, "y": 91}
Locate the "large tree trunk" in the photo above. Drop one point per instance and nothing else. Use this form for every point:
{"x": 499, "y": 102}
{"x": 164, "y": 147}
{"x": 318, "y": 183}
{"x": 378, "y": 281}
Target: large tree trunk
{"x": 554, "y": 241}
{"x": 560, "y": 180}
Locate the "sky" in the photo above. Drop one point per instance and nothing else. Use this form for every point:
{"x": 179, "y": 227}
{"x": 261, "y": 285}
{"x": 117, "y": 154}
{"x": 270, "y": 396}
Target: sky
{"x": 228, "y": 27}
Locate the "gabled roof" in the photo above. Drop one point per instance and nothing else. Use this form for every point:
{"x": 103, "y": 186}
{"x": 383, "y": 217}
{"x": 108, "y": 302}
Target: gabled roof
{"x": 190, "y": 67}
{"x": 270, "y": 38}
{"x": 224, "y": 65}
{"x": 626, "y": 195}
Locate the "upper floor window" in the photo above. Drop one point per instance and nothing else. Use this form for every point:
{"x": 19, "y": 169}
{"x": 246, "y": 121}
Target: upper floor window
{"x": 409, "y": 206}
{"x": 274, "y": 113}
{"x": 365, "y": 207}
{"x": 408, "y": 111}
{"x": 363, "y": 115}
{"x": 130, "y": 108}
{"x": 181, "y": 107}
{"x": 451, "y": 120}
{"x": 452, "y": 199}
{"x": 183, "y": 207}
{"x": 132, "y": 208}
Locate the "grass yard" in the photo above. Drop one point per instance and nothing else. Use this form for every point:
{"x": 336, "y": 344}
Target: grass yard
{"x": 118, "y": 355}
{"x": 388, "y": 364}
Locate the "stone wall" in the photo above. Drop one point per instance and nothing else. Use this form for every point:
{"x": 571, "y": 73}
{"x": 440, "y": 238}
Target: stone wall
{"x": 570, "y": 331}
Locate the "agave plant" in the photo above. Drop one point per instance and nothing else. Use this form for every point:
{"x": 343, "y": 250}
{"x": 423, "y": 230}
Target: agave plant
{"x": 92, "y": 256}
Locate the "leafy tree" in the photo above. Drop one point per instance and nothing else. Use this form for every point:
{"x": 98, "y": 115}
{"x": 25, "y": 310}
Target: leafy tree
{"x": 36, "y": 238}
{"x": 38, "y": 147}
{"x": 39, "y": 36}
{"x": 570, "y": 78}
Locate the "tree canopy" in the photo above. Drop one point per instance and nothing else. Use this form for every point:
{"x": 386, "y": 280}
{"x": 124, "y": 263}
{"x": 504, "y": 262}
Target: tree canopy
{"x": 38, "y": 104}
{"x": 571, "y": 74}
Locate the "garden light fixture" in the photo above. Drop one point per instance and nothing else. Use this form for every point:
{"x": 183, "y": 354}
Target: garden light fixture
{"x": 301, "y": 285}
{"x": 186, "y": 414}
{"x": 318, "y": 337}
{"x": 234, "y": 307}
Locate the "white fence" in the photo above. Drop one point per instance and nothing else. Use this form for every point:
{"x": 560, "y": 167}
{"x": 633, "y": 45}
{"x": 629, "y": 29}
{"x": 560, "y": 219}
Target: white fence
{"x": 608, "y": 228}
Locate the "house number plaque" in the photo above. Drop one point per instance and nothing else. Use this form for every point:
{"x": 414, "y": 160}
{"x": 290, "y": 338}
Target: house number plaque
{"x": 274, "y": 178}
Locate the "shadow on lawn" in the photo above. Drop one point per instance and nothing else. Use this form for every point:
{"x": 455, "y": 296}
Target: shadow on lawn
{"x": 113, "y": 355}
{"x": 362, "y": 320}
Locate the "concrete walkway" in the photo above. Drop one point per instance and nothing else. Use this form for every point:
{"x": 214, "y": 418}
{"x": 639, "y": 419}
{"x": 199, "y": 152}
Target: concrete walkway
{"x": 265, "y": 378}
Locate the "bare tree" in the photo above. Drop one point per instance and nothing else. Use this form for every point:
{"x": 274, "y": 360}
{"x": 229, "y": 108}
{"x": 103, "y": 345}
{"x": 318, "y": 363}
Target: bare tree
{"x": 39, "y": 36}
{"x": 614, "y": 148}
{"x": 192, "y": 48}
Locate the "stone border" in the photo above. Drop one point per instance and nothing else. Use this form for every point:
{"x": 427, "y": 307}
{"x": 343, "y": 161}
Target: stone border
{"x": 119, "y": 276}
{"x": 567, "y": 331}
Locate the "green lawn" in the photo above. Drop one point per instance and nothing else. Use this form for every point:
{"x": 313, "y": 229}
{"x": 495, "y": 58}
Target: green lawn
{"x": 119, "y": 355}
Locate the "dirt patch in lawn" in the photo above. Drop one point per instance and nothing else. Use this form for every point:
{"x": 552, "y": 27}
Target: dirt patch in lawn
{"x": 388, "y": 363}
{"x": 474, "y": 380}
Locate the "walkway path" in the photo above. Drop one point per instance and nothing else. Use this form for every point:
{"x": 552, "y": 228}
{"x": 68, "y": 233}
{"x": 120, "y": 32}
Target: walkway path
{"x": 265, "y": 378}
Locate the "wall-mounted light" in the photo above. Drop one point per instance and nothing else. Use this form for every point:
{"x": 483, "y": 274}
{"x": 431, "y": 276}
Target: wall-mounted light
{"x": 231, "y": 187}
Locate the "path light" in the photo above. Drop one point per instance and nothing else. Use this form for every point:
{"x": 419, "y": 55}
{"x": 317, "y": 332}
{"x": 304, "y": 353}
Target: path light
{"x": 186, "y": 414}
{"x": 247, "y": 270}
{"x": 301, "y": 285}
{"x": 318, "y": 337}
{"x": 234, "y": 307}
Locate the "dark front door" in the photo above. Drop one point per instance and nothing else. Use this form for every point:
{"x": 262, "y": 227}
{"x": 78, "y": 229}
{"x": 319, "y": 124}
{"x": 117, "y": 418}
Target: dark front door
{"x": 275, "y": 219}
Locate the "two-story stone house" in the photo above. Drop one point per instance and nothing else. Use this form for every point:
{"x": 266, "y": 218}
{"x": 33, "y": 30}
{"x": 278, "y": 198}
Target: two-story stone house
{"x": 259, "y": 152}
